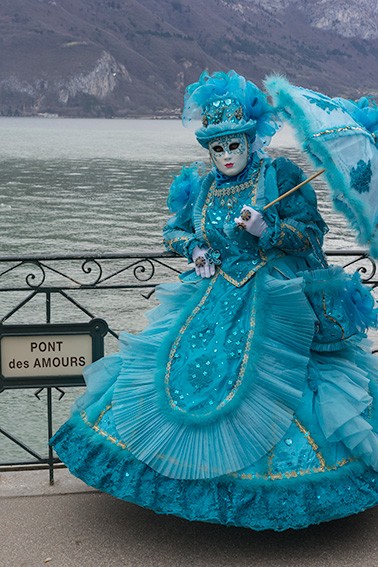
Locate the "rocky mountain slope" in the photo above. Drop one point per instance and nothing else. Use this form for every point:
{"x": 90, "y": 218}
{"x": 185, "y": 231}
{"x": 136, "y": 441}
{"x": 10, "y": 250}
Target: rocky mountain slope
{"x": 133, "y": 58}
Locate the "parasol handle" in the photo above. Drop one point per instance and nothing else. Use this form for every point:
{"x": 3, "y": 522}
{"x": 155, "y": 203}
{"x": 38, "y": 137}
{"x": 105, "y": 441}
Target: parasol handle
{"x": 293, "y": 189}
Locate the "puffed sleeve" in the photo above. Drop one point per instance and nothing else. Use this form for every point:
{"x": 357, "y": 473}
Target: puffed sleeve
{"x": 294, "y": 224}
{"x": 179, "y": 233}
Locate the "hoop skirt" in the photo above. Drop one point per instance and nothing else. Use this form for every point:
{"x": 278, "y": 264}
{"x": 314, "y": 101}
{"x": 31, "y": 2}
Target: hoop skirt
{"x": 250, "y": 397}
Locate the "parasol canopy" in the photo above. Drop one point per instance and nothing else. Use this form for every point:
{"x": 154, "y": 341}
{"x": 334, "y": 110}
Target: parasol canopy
{"x": 341, "y": 136}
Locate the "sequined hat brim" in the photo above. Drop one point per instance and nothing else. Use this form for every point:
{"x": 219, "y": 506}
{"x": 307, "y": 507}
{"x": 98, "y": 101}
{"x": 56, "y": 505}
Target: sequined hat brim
{"x": 205, "y": 135}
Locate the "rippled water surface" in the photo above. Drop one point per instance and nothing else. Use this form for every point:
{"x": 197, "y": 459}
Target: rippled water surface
{"x": 101, "y": 185}
{"x": 70, "y": 186}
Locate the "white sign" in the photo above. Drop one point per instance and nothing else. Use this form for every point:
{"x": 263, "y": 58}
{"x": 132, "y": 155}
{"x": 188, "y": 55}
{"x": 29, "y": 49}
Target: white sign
{"x": 45, "y": 355}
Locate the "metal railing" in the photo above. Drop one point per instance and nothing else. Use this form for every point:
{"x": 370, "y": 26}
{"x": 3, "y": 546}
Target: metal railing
{"x": 30, "y": 286}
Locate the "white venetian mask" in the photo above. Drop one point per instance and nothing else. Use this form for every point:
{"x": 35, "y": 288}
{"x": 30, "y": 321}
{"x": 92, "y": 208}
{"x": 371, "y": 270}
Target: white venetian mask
{"x": 229, "y": 153}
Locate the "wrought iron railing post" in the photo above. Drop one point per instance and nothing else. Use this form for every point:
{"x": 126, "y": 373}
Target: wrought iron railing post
{"x": 48, "y": 306}
{"x": 49, "y": 402}
{"x": 50, "y": 434}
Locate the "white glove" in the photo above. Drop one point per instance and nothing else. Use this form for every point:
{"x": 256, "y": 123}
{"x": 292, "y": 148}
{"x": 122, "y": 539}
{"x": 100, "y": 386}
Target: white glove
{"x": 251, "y": 220}
{"x": 202, "y": 266}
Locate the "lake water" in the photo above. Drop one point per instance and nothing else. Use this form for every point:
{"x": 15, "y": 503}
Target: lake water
{"x": 70, "y": 186}
{"x": 101, "y": 185}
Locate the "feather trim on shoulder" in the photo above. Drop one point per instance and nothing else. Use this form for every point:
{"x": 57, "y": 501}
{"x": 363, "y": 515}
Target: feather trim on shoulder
{"x": 185, "y": 185}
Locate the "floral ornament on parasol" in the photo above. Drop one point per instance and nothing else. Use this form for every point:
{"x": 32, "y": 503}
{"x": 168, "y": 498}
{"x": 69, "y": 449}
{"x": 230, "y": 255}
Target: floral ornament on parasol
{"x": 341, "y": 136}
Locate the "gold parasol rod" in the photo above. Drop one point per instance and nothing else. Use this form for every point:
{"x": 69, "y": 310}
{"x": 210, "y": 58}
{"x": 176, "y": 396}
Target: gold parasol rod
{"x": 294, "y": 189}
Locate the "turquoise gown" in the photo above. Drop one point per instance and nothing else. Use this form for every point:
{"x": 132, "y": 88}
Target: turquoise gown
{"x": 250, "y": 399}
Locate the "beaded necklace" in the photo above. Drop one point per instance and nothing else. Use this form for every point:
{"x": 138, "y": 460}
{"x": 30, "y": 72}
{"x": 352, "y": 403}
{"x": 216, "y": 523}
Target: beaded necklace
{"x": 229, "y": 194}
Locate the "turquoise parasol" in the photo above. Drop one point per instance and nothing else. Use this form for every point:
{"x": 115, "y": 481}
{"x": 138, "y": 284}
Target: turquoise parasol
{"x": 339, "y": 135}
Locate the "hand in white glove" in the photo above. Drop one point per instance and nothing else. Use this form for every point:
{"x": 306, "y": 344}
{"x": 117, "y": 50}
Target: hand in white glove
{"x": 201, "y": 264}
{"x": 251, "y": 220}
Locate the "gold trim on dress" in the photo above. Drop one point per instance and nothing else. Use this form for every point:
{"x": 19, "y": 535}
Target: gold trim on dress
{"x": 177, "y": 239}
{"x": 240, "y": 283}
{"x": 244, "y": 363}
{"x": 104, "y": 411}
{"x": 311, "y": 441}
{"x": 330, "y": 317}
{"x": 269, "y": 475}
{"x": 100, "y": 431}
{"x": 341, "y": 129}
{"x": 298, "y": 233}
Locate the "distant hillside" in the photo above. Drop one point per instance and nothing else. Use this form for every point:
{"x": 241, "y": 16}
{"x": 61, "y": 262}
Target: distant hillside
{"x": 134, "y": 58}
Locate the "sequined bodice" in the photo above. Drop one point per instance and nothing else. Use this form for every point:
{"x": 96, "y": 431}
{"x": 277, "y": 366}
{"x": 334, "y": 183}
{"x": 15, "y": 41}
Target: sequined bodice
{"x": 225, "y": 204}
{"x": 239, "y": 250}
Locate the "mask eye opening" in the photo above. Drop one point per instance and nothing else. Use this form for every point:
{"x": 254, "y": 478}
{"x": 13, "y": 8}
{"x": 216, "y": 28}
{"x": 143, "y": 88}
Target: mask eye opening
{"x": 217, "y": 148}
{"x": 233, "y": 146}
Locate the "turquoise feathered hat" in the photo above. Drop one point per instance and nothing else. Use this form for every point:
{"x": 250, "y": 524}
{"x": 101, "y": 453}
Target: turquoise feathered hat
{"x": 228, "y": 104}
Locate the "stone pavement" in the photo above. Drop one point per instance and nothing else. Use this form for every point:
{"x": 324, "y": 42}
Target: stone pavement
{"x": 70, "y": 525}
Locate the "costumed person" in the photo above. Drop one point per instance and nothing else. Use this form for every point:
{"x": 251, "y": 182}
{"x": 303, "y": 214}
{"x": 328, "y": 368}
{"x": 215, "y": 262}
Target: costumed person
{"x": 250, "y": 399}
